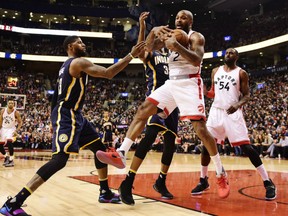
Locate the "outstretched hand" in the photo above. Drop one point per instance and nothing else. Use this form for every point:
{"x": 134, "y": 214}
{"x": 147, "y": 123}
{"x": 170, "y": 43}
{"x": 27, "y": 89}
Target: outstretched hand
{"x": 162, "y": 32}
{"x": 138, "y": 48}
{"x": 143, "y": 17}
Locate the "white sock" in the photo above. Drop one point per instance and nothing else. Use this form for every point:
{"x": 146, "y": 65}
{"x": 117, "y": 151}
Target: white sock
{"x": 263, "y": 173}
{"x": 204, "y": 171}
{"x": 125, "y": 146}
{"x": 11, "y": 158}
{"x": 218, "y": 164}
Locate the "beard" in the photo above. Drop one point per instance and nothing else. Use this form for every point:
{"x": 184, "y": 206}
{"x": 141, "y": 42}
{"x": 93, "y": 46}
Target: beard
{"x": 229, "y": 61}
{"x": 80, "y": 53}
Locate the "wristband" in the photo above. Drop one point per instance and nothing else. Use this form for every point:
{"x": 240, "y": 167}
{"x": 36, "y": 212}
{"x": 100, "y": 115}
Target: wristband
{"x": 131, "y": 55}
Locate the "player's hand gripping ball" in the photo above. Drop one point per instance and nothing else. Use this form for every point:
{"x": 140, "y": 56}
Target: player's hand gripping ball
{"x": 181, "y": 37}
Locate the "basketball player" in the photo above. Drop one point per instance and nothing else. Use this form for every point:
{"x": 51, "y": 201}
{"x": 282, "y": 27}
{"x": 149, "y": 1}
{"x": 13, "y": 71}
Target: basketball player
{"x": 71, "y": 130}
{"x": 8, "y": 118}
{"x": 184, "y": 90}
{"x": 230, "y": 90}
{"x": 157, "y": 72}
{"x": 107, "y": 128}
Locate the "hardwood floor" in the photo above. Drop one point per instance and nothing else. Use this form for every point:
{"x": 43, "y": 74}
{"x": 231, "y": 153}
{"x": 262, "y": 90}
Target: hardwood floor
{"x": 68, "y": 193}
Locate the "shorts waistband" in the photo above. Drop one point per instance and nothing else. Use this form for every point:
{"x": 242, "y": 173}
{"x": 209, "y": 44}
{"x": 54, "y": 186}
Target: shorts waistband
{"x": 185, "y": 76}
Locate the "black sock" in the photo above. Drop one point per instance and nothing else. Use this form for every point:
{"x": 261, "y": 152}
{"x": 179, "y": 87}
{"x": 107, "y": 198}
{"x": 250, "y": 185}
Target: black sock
{"x": 162, "y": 177}
{"x": 130, "y": 176}
{"x": 104, "y": 186}
{"x": 22, "y": 196}
{"x": 2, "y": 150}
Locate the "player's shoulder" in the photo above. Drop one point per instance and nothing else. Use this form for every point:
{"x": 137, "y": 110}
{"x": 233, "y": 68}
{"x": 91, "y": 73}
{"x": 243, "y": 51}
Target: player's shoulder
{"x": 198, "y": 35}
{"x": 215, "y": 69}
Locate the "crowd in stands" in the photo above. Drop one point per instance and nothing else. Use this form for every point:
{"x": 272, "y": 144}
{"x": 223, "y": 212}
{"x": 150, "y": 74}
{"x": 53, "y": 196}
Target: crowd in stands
{"x": 266, "y": 113}
{"x": 244, "y": 30}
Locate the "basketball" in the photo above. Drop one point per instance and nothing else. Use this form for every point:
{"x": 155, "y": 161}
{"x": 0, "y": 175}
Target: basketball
{"x": 181, "y": 37}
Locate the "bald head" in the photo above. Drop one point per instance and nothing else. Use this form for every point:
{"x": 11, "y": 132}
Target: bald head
{"x": 184, "y": 20}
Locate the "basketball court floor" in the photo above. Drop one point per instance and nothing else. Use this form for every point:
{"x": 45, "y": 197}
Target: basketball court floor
{"x": 74, "y": 191}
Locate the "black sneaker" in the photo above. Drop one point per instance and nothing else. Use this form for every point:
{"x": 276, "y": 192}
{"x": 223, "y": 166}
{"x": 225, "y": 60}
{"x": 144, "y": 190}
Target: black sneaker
{"x": 202, "y": 186}
{"x": 125, "y": 192}
{"x": 271, "y": 191}
{"x": 6, "y": 160}
{"x": 108, "y": 197}
{"x": 9, "y": 164}
{"x": 161, "y": 188}
{"x": 12, "y": 209}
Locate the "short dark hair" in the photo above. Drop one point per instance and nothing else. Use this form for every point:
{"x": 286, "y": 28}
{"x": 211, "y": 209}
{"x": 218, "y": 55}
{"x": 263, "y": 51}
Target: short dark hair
{"x": 68, "y": 40}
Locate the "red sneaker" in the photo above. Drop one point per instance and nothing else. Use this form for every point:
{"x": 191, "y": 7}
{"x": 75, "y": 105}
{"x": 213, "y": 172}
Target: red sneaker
{"x": 116, "y": 158}
{"x": 223, "y": 186}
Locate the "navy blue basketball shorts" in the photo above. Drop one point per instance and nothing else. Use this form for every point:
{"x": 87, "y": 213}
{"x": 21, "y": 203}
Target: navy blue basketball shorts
{"x": 71, "y": 131}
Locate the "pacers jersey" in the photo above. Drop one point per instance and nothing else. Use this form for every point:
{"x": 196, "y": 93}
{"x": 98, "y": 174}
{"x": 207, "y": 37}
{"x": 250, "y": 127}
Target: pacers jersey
{"x": 71, "y": 90}
{"x": 178, "y": 65}
{"x": 107, "y": 125}
{"x": 226, "y": 87}
{"x": 8, "y": 119}
{"x": 156, "y": 70}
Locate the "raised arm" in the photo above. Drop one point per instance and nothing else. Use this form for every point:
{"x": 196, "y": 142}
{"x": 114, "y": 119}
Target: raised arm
{"x": 156, "y": 37}
{"x": 141, "y": 36}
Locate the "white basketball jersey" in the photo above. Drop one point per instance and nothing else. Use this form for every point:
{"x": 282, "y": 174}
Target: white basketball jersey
{"x": 179, "y": 65}
{"x": 9, "y": 119}
{"x": 226, "y": 87}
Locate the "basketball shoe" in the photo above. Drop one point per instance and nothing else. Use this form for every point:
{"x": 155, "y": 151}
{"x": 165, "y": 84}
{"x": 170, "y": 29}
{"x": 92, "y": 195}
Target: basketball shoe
{"x": 223, "y": 185}
{"x": 9, "y": 164}
{"x": 202, "y": 186}
{"x": 12, "y": 208}
{"x": 160, "y": 187}
{"x": 125, "y": 192}
{"x": 271, "y": 191}
{"x": 108, "y": 197}
{"x": 6, "y": 160}
{"x": 116, "y": 158}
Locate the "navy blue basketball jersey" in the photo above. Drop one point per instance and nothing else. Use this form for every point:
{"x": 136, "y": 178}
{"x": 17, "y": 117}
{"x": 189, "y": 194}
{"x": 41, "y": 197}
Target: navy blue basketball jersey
{"x": 156, "y": 70}
{"x": 71, "y": 90}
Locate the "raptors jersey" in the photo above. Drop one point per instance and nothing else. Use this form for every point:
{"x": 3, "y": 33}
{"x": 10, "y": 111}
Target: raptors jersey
{"x": 71, "y": 90}
{"x": 8, "y": 119}
{"x": 180, "y": 66}
{"x": 156, "y": 70}
{"x": 226, "y": 87}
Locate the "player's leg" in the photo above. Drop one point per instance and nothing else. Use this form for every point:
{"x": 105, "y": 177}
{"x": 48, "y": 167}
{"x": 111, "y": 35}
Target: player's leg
{"x": 125, "y": 189}
{"x": 6, "y": 155}
{"x": 210, "y": 144}
{"x": 118, "y": 158}
{"x": 167, "y": 156}
{"x": 89, "y": 139}
{"x": 161, "y": 98}
{"x": 64, "y": 129}
{"x": 10, "y": 145}
{"x": 13, "y": 205}
{"x": 203, "y": 184}
{"x": 240, "y": 138}
{"x": 271, "y": 191}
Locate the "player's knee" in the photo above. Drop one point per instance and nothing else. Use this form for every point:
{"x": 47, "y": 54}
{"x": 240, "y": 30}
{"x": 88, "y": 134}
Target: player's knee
{"x": 145, "y": 110}
{"x": 96, "y": 146}
{"x": 247, "y": 149}
{"x": 57, "y": 163}
{"x": 205, "y": 152}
